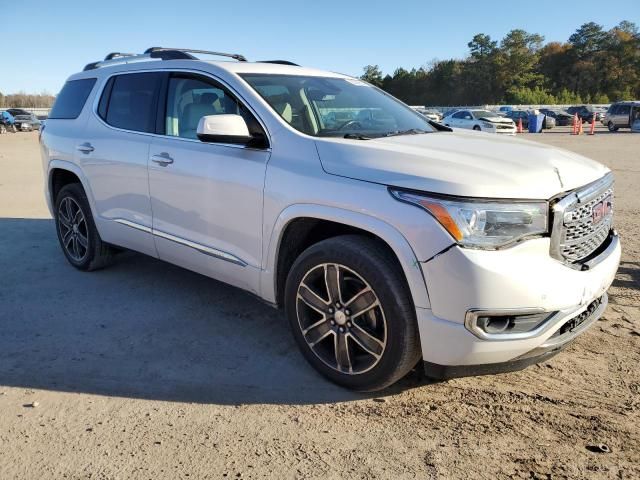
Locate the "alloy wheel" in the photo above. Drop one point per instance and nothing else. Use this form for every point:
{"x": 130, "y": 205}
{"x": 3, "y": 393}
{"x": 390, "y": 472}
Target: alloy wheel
{"x": 341, "y": 318}
{"x": 73, "y": 229}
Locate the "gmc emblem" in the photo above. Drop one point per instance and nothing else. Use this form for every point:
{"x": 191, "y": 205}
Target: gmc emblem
{"x": 601, "y": 210}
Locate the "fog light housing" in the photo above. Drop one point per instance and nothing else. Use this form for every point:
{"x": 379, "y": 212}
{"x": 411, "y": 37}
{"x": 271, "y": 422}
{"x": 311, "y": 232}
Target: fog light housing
{"x": 506, "y": 325}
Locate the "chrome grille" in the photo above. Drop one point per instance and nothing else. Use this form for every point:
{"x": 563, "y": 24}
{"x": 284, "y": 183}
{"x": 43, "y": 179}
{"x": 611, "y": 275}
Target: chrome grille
{"x": 575, "y": 235}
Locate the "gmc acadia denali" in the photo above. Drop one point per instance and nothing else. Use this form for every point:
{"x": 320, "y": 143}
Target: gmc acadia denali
{"x": 388, "y": 239}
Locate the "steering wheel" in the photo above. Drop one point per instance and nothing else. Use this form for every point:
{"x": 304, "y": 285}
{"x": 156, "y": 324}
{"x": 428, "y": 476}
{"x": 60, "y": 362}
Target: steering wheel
{"x": 350, "y": 123}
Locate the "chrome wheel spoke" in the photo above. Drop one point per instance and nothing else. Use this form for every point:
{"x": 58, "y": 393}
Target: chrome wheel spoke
{"x": 312, "y": 299}
{"x": 67, "y": 209}
{"x": 343, "y": 358}
{"x": 333, "y": 279}
{"x": 82, "y": 240}
{"x": 368, "y": 342}
{"x": 363, "y": 303}
{"x": 67, "y": 237}
{"x": 317, "y": 332}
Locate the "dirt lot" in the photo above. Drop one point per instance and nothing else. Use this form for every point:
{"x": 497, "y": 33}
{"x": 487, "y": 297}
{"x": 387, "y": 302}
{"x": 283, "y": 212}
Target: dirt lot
{"x": 145, "y": 370}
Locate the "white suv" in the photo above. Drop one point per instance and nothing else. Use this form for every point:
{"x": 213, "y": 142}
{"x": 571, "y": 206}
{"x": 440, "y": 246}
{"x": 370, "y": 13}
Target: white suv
{"x": 386, "y": 238}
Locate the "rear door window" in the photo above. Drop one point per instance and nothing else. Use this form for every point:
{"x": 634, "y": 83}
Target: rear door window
{"x": 72, "y": 98}
{"x": 132, "y": 101}
{"x": 624, "y": 109}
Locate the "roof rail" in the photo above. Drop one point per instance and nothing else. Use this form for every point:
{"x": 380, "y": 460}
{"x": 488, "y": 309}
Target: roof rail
{"x": 162, "y": 53}
{"x": 113, "y": 55}
{"x": 279, "y": 62}
{"x": 157, "y": 52}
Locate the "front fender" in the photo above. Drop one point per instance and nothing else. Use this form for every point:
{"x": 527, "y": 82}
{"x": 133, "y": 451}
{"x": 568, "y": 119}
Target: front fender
{"x": 381, "y": 229}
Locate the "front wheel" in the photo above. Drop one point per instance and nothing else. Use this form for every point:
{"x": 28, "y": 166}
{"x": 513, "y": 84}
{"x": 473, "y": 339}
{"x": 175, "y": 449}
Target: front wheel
{"x": 611, "y": 126}
{"x": 477, "y": 128}
{"x": 351, "y": 313}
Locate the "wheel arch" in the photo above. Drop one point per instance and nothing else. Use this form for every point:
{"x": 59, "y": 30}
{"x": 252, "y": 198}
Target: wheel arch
{"x": 300, "y": 226}
{"x": 61, "y": 173}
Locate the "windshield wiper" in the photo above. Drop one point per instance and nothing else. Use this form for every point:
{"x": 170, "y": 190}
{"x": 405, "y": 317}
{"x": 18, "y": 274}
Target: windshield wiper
{"x": 356, "y": 136}
{"x": 411, "y": 131}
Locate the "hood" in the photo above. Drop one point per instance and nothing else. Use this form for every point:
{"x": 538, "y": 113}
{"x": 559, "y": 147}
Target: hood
{"x": 496, "y": 119}
{"x": 460, "y": 163}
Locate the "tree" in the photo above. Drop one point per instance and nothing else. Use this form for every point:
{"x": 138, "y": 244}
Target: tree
{"x": 594, "y": 65}
{"x": 373, "y": 75}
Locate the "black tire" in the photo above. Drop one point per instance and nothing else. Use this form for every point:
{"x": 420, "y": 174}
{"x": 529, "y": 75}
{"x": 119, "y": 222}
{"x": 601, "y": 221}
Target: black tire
{"x": 96, "y": 254}
{"x": 377, "y": 266}
{"x": 477, "y": 128}
{"x": 611, "y": 126}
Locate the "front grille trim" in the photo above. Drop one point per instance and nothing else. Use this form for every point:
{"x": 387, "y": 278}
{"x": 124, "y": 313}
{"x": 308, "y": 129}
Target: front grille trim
{"x": 573, "y": 235}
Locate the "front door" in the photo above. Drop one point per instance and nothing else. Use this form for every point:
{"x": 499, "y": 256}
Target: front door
{"x": 206, "y": 198}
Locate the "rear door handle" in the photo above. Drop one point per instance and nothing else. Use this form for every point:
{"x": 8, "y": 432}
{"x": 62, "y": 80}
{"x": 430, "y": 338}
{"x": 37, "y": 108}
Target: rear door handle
{"x": 85, "y": 148}
{"x": 163, "y": 159}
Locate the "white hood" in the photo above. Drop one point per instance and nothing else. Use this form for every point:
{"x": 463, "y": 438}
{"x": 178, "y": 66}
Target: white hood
{"x": 460, "y": 163}
{"x": 496, "y": 119}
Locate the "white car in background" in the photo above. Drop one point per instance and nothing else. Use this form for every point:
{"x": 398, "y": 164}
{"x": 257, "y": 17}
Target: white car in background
{"x": 480, "y": 120}
{"x": 430, "y": 114}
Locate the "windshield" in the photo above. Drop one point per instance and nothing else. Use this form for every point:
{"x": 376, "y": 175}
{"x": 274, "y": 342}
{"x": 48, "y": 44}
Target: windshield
{"x": 336, "y": 107}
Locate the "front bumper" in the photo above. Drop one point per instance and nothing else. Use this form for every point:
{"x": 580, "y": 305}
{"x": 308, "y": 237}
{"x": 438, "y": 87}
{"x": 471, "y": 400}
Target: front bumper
{"x": 521, "y": 277}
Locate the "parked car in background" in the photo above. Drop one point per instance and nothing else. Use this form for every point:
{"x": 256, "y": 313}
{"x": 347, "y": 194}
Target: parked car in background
{"x": 621, "y": 115}
{"x": 27, "y": 122}
{"x": 585, "y": 113}
{"x": 504, "y": 109}
{"x": 480, "y": 120}
{"x": 430, "y": 114}
{"x": 561, "y": 117}
{"x": 517, "y": 115}
{"x": 18, "y": 111}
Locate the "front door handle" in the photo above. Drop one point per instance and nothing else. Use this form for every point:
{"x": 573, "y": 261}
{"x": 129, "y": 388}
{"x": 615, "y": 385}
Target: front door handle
{"x": 163, "y": 159}
{"x": 86, "y": 147}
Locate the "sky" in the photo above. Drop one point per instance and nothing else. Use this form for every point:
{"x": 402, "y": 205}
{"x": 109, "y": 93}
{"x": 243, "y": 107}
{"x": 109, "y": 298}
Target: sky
{"x": 46, "y": 41}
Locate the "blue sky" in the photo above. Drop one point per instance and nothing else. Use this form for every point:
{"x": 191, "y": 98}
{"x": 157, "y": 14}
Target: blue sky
{"x": 46, "y": 41}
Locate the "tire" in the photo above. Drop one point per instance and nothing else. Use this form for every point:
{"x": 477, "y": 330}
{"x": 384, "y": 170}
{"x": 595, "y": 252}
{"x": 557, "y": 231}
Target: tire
{"x": 382, "y": 343}
{"x": 611, "y": 126}
{"x": 477, "y": 128}
{"x": 77, "y": 233}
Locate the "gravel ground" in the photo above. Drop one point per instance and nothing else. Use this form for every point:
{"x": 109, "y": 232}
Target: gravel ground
{"x": 145, "y": 370}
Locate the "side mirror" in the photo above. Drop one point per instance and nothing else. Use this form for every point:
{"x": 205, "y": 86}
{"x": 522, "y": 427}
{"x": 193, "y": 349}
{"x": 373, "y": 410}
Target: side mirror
{"x": 224, "y": 128}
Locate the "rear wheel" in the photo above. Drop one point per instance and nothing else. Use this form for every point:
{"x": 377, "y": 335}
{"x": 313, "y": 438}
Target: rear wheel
{"x": 350, "y": 311}
{"x": 611, "y": 126}
{"x": 77, "y": 233}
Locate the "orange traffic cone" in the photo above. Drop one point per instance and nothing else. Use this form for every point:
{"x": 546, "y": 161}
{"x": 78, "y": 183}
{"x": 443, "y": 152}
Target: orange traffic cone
{"x": 592, "y": 130}
{"x": 519, "y": 130}
{"x": 580, "y": 130}
{"x": 575, "y": 124}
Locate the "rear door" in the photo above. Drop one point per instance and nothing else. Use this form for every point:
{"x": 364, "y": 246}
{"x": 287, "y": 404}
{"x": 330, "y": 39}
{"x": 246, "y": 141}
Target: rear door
{"x": 207, "y": 197}
{"x": 623, "y": 116}
{"x": 114, "y": 152}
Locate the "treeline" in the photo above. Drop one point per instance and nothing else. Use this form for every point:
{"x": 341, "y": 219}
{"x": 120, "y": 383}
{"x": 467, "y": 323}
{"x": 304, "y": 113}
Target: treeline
{"x": 594, "y": 66}
{"x": 27, "y": 100}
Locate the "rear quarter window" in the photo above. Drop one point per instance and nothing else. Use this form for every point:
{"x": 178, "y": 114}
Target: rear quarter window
{"x": 72, "y": 98}
{"x": 131, "y": 102}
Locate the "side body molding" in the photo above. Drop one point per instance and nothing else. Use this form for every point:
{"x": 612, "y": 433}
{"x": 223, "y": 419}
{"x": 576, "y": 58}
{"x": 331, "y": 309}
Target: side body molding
{"x": 385, "y": 231}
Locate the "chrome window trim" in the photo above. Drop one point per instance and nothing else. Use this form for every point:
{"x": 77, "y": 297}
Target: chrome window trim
{"x": 212, "y": 252}
{"x": 105, "y": 80}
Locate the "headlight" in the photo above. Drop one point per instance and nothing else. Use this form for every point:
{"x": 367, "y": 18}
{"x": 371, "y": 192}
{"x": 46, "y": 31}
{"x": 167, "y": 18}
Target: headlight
{"x": 487, "y": 125}
{"x": 485, "y": 223}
